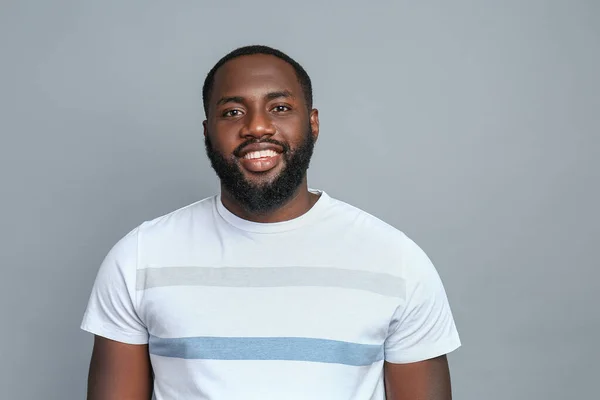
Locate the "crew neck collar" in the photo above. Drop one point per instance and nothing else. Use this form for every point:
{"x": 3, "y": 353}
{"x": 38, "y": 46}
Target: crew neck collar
{"x": 274, "y": 227}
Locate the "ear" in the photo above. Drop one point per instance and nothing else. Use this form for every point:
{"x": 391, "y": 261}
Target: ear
{"x": 204, "y": 125}
{"x": 314, "y": 123}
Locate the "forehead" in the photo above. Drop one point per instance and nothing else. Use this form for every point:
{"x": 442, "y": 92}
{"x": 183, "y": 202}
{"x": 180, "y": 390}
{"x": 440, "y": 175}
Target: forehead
{"x": 253, "y": 74}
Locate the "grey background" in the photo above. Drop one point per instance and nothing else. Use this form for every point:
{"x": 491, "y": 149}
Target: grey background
{"x": 473, "y": 126}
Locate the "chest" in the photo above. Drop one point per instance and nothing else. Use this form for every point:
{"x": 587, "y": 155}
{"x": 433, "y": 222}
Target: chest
{"x": 306, "y": 302}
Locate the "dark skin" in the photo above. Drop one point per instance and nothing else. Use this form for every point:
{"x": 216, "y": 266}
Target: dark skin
{"x": 254, "y": 96}
{"x": 260, "y": 97}
{"x": 424, "y": 380}
{"x": 119, "y": 371}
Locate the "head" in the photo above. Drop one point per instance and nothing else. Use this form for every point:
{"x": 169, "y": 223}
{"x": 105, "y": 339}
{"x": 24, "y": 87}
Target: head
{"x": 260, "y": 127}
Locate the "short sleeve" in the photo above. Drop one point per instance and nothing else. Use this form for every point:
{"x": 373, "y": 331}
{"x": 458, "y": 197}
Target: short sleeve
{"x": 111, "y": 310}
{"x": 422, "y": 326}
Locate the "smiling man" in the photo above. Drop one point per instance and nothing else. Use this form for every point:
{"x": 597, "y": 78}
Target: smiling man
{"x": 268, "y": 290}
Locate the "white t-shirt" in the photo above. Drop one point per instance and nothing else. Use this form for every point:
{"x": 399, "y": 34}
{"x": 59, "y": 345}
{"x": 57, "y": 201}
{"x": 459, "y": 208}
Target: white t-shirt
{"x": 303, "y": 309}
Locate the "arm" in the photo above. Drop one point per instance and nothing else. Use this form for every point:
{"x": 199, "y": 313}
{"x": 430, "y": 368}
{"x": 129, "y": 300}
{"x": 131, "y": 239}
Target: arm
{"x": 424, "y": 380}
{"x": 120, "y": 366}
{"x": 119, "y": 371}
{"x": 421, "y": 333}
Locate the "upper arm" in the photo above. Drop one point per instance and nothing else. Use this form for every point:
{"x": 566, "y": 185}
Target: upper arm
{"x": 422, "y": 326}
{"x": 120, "y": 365}
{"x": 423, "y": 380}
{"x": 119, "y": 371}
{"x": 421, "y": 333}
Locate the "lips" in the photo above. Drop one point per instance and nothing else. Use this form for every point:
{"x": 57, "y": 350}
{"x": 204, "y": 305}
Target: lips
{"x": 259, "y": 147}
{"x": 260, "y": 154}
{"x": 260, "y": 157}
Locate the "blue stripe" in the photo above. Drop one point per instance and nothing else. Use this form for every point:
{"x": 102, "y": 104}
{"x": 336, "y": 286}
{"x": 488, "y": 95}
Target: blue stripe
{"x": 276, "y": 348}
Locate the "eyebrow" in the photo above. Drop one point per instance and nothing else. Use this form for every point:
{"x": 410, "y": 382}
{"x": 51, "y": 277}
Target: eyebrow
{"x": 276, "y": 95}
{"x": 230, "y": 99}
{"x": 268, "y": 96}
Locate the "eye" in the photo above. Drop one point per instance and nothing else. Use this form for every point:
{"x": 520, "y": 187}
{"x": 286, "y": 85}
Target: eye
{"x": 232, "y": 113}
{"x": 281, "y": 108}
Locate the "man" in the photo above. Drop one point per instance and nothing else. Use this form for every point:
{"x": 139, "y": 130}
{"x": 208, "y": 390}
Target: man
{"x": 269, "y": 290}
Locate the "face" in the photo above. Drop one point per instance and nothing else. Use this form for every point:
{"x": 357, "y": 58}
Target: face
{"x": 259, "y": 134}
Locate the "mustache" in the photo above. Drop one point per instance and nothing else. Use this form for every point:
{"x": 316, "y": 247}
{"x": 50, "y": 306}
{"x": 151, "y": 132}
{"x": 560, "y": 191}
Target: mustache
{"x": 238, "y": 150}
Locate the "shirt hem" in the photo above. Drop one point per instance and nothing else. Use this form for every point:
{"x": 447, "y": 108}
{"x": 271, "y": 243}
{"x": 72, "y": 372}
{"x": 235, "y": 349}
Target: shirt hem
{"x": 422, "y": 353}
{"x": 126, "y": 338}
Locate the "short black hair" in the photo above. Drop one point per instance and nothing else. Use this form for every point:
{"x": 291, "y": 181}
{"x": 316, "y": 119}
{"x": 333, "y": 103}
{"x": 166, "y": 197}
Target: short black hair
{"x": 301, "y": 74}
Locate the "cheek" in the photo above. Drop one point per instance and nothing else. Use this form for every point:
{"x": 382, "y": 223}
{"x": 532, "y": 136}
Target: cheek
{"x": 294, "y": 132}
{"x": 223, "y": 141}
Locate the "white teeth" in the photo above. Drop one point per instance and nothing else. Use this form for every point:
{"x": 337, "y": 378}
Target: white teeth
{"x": 260, "y": 154}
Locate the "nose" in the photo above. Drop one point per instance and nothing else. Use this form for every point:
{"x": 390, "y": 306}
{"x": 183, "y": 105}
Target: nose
{"x": 258, "y": 124}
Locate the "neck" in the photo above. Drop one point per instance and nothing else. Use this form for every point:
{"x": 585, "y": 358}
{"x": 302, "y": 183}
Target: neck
{"x": 298, "y": 204}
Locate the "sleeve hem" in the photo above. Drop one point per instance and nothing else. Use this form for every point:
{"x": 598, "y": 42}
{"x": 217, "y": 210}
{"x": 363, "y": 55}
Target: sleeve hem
{"x": 422, "y": 353}
{"x": 127, "y": 338}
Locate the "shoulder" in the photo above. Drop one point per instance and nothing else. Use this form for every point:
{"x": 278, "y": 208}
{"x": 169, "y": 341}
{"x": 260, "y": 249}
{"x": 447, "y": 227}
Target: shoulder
{"x": 364, "y": 224}
{"x": 180, "y": 220}
{"x": 388, "y": 248}
{"x": 165, "y": 229}
{"x": 182, "y": 215}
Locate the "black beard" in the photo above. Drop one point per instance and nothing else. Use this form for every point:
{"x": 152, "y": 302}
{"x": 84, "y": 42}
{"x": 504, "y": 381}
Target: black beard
{"x": 268, "y": 196}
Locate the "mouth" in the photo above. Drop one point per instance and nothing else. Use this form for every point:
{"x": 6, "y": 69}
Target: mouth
{"x": 260, "y": 158}
{"x": 260, "y": 154}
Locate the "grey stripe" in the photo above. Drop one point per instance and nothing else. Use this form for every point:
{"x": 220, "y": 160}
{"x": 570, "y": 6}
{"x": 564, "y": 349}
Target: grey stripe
{"x": 384, "y": 284}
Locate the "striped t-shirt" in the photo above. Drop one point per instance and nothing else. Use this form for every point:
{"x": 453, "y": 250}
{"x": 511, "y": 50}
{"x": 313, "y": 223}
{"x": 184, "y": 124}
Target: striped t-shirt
{"x": 303, "y": 309}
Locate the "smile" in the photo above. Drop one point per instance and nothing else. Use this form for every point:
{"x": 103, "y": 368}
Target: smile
{"x": 260, "y": 161}
{"x": 260, "y": 154}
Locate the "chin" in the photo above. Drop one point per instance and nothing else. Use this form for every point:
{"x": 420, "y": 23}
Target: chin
{"x": 262, "y": 178}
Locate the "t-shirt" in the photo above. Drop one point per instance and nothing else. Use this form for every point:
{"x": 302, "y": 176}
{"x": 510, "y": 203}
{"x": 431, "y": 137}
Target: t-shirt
{"x": 308, "y": 308}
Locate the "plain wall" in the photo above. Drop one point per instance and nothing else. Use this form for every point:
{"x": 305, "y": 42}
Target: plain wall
{"x": 473, "y": 126}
